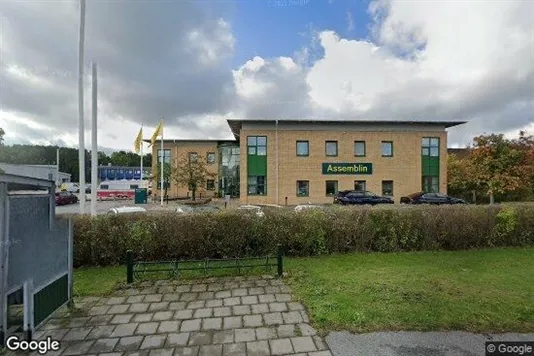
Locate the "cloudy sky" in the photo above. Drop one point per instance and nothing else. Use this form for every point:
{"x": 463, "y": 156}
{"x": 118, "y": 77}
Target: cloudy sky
{"x": 197, "y": 63}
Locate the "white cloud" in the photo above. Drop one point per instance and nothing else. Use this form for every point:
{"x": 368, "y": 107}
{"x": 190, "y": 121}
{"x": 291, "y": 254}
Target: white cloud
{"x": 448, "y": 60}
{"x": 350, "y": 21}
{"x": 456, "y": 60}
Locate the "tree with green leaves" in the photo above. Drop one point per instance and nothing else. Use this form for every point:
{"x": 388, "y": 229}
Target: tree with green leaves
{"x": 2, "y": 133}
{"x": 191, "y": 172}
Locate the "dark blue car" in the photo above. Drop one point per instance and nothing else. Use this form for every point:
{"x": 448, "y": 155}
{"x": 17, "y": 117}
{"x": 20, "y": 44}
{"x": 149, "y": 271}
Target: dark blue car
{"x": 356, "y": 197}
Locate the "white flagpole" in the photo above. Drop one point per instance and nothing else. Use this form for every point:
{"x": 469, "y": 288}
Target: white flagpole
{"x": 81, "y": 129}
{"x": 162, "y": 154}
{"x": 142, "y": 186}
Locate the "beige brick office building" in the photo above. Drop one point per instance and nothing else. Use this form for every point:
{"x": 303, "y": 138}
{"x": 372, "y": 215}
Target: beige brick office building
{"x": 302, "y": 161}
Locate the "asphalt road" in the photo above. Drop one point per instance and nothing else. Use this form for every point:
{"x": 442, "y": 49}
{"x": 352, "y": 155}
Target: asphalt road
{"x": 416, "y": 343}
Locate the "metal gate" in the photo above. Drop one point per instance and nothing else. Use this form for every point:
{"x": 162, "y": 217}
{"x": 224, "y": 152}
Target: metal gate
{"x": 35, "y": 252}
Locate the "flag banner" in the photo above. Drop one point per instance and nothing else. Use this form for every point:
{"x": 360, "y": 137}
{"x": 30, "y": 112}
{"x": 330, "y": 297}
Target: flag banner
{"x": 138, "y": 141}
{"x": 158, "y": 132}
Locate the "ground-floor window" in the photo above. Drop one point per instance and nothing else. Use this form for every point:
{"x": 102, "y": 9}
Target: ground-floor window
{"x": 360, "y": 185}
{"x": 387, "y": 188}
{"x": 303, "y": 188}
{"x": 331, "y": 187}
{"x": 431, "y": 184}
{"x": 257, "y": 185}
{"x": 210, "y": 184}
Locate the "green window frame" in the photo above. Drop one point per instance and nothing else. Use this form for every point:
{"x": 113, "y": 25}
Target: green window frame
{"x": 329, "y": 147}
{"x": 303, "y": 148}
{"x": 387, "y": 188}
{"x": 430, "y": 184}
{"x": 331, "y": 187}
{"x": 430, "y": 146}
{"x": 257, "y": 145}
{"x": 387, "y": 148}
{"x": 303, "y": 188}
{"x": 257, "y": 185}
{"x": 359, "y": 149}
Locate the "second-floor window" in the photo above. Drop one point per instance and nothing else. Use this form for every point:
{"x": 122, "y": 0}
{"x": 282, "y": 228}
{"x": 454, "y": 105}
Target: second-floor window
{"x": 331, "y": 148}
{"x": 303, "y": 148}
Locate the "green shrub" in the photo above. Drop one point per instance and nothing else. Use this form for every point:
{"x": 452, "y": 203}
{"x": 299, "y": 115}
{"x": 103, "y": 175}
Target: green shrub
{"x": 103, "y": 240}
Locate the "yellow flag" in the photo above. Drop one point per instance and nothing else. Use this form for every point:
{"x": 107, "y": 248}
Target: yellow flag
{"x": 158, "y": 132}
{"x": 138, "y": 141}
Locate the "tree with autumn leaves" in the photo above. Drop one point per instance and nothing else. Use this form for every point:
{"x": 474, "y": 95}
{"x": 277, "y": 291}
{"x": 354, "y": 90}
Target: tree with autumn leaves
{"x": 495, "y": 166}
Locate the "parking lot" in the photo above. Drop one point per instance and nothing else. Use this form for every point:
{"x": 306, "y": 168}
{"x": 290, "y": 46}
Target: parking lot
{"x": 103, "y": 206}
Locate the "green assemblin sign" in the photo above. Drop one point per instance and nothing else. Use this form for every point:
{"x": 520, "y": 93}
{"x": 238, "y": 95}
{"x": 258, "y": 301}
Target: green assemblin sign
{"x": 347, "y": 168}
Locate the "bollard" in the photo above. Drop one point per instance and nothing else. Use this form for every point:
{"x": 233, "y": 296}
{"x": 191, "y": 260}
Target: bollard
{"x": 286, "y": 201}
{"x": 279, "y": 259}
{"x": 129, "y": 266}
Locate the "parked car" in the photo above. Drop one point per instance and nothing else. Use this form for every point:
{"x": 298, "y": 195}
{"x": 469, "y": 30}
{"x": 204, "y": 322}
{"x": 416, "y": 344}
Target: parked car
{"x": 254, "y": 209}
{"x": 64, "y": 198}
{"x": 88, "y": 189}
{"x": 356, "y": 197}
{"x": 430, "y": 198}
{"x": 303, "y": 207}
{"x": 127, "y": 210}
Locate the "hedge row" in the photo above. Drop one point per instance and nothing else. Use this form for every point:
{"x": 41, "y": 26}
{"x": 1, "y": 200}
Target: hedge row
{"x": 103, "y": 240}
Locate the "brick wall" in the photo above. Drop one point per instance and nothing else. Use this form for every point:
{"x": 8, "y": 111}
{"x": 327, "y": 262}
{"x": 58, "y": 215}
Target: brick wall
{"x": 179, "y": 149}
{"x": 404, "y": 168}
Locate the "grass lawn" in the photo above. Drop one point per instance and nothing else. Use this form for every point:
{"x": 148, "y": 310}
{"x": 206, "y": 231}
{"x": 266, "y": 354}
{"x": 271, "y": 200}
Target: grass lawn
{"x": 487, "y": 290}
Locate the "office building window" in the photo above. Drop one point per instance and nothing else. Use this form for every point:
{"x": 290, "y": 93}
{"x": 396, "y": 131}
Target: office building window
{"x": 303, "y": 148}
{"x": 387, "y": 149}
{"x": 166, "y": 156}
{"x": 431, "y": 184}
{"x": 210, "y": 184}
{"x": 193, "y": 156}
{"x": 331, "y": 148}
{"x": 360, "y": 185}
{"x": 387, "y": 188}
{"x": 331, "y": 187}
{"x": 303, "y": 188}
{"x": 257, "y": 145}
{"x": 211, "y": 157}
{"x": 430, "y": 147}
{"x": 359, "y": 148}
{"x": 256, "y": 185}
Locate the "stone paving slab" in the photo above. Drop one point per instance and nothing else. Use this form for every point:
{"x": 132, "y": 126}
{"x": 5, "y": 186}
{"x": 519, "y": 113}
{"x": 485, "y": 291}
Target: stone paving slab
{"x": 249, "y": 316}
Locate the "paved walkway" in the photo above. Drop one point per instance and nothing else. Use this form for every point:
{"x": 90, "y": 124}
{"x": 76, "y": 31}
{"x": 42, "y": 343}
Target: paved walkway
{"x": 252, "y": 316}
{"x": 451, "y": 343}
